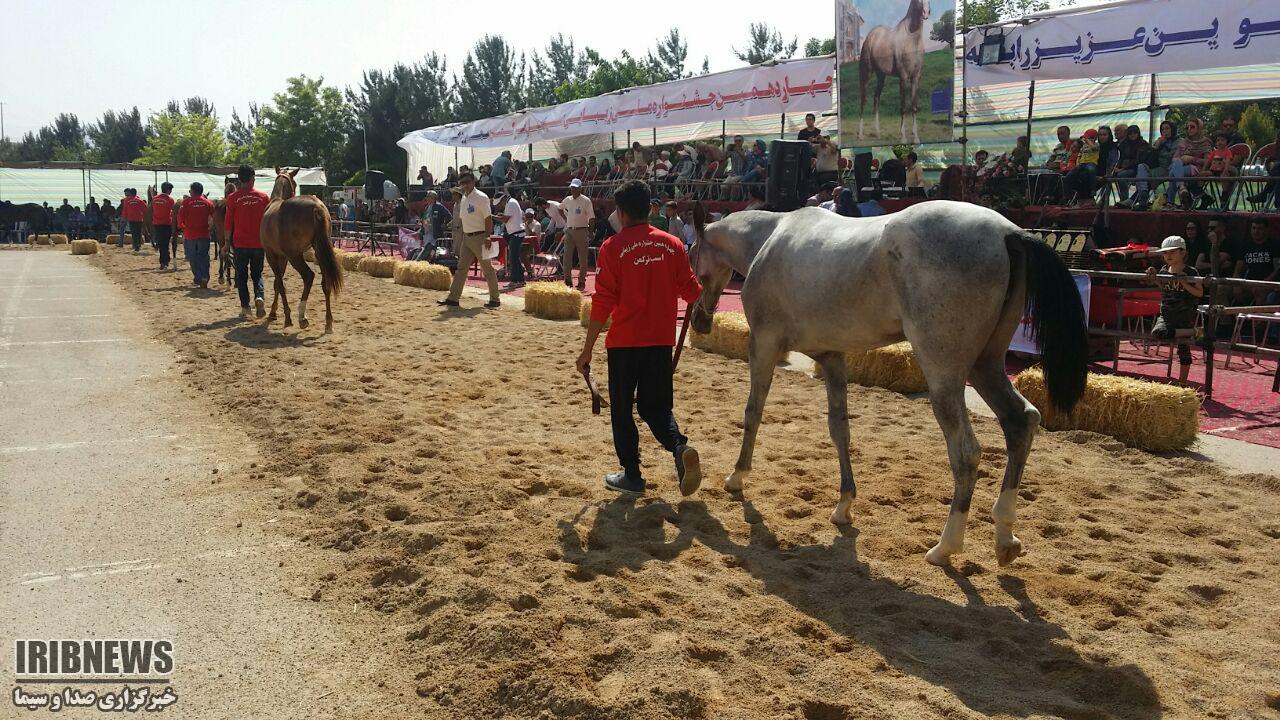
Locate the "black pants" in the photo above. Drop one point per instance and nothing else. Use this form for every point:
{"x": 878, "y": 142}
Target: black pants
{"x": 163, "y": 235}
{"x": 1165, "y": 329}
{"x": 135, "y": 230}
{"x": 641, "y": 377}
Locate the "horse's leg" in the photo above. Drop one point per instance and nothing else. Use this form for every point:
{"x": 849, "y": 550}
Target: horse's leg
{"x": 915, "y": 107}
{"x": 1019, "y": 420}
{"x": 835, "y": 371}
{"x": 278, "y": 266}
{"x": 946, "y": 393}
{"x": 300, "y": 264}
{"x": 863, "y": 77}
{"x": 764, "y": 353}
{"x": 904, "y": 87}
{"x": 875, "y": 103}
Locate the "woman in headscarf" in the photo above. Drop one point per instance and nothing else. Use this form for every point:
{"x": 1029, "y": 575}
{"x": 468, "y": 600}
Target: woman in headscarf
{"x": 1190, "y": 158}
{"x": 845, "y": 205}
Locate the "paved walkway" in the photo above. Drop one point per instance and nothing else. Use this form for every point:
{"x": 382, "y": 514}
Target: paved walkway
{"x": 126, "y": 511}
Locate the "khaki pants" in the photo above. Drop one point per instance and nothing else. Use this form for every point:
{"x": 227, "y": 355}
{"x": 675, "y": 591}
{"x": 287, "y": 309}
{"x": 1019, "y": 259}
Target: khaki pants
{"x": 575, "y": 240}
{"x": 470, "y": 248}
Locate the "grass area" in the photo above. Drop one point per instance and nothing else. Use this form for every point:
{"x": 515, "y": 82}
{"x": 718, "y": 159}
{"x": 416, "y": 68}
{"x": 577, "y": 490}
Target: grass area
{"x": 936, "y": 75}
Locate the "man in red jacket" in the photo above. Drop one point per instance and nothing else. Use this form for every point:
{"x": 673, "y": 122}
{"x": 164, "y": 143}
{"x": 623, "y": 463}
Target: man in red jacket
{"x": 193, "y": 218}
{"x": 244, "y": 223}
{"x": 644, "y": 272}
{"x": 162, "y": 223}
{"x": 132, "y": 210}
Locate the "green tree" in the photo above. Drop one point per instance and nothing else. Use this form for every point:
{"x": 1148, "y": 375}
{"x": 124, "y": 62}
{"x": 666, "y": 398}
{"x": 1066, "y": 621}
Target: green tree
{"x": 668, "y": 64}
{"x": 492, "y": 80}
{"x": 184, "y": 140}
{"x": 816, "y": 47}
{"x": 945, "y": 29}
{"x": 1257, "y": 127}
{"x": 63, "y": 139}
{"x": 985, "y": 12}
{"x": 306, "y": 126}
{"x": 240, "y": 135}
{"x": 608, "y": 76}
{"x": 765, "y": 43}
{"x": 388, "y": 104}
{"x": 118, "y": 137}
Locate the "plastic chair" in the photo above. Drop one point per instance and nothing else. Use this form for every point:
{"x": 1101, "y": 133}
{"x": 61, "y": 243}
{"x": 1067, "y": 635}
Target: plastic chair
{"x": 1256, "y": 166}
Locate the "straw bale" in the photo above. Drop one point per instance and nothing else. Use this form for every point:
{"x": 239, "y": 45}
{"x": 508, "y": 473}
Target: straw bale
{"x": 309, "y": 255}
{"x": 1147, "y": 415}
{"x": 584, "y": 315}
{"x": 893, "y": 367}
{"x": 87, "y": 246}
{"x": 730, "y": 335}
{"x": 423, "y": 275}
{"x": 59, "y": 239}
{"x": 350, "y": 261}
{"x": 379, "y": 267}
{"x": 552, "y": 301}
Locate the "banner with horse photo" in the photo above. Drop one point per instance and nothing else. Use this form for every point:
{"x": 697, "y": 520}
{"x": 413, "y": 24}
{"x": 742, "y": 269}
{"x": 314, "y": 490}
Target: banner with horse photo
{"x": 896, "y": 66}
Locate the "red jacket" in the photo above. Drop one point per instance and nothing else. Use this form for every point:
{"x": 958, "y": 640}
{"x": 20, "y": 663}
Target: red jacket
{"x": 193, "y": 217}
{"x": 244, "y": 217}
{"x": 643, "y": 272}
{"x": 133, "y": 209}
{"x": 162, "y": 210}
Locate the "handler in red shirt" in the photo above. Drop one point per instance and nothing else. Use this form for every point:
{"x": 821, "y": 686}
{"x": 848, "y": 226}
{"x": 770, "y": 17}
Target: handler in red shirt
{"x": 162, "y": 224}
{"x": 244, "y": 223}
{"x": 132, "y": 210}
{"x": 643, "y": 273}
{"x": 193, "y": 218}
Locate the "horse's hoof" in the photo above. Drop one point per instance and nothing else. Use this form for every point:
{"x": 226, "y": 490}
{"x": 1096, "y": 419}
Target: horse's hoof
{"x": 1006, "y": 554}
{"x": 328, "y": 327}
{"x": 842, "y": 516}
{"x": 303, "y": 323}
{"x": 938, "y": 556}
{"x": 271, "y": 318}
{"x": 734, "y": 482}
{"x": 288, "y": 323}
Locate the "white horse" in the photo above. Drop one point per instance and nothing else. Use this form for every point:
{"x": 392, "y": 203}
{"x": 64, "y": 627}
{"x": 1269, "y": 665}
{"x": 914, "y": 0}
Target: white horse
{"x": 899, "y": 52}
{"x": 953, "y": 278}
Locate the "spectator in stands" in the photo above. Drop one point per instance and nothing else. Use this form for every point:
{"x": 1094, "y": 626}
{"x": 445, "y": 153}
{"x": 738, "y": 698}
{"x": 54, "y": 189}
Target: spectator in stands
{"x": 424, "y": 176}
{"x": 62, "y": 216}
{"x": 640, "y": 154}
{"x": 1106, "y": 150}
{"x": 579, "y": 219}
{"x": 1132, "y": 163}
{"x": 736, "y": 158}
{"x": 822, "y": 196}
{"x": 1179, "y": 297}
{"x": 435, "y": 220}
{"x": 687, "y": 229}
{"x": 826, "y": 160}
{"x": 1221, "y": 164}
{"x": 401, "y": 214}
{"x": 1257, "y": 258}
{"x": 662, "y": 167}
{"x": 108, "y": 217}
{"x": 756, "y": 191}
{"x": 675, "y": 226}
{"x": 1190, "y": 158}
{"x": 846, "y": 205}
{"x": 1197, "y": 248}
{"x": 498, "y": 171}
{"x": 92, "y": 216}
{"x": 810, "y": 130}
{"x": 1057, "y": 161}
{"x": 656, "y": 217}
{"x": 243, "y": 223}
{"x": 980, "y": 162}
{"x": 1020, "y": 157}
{"x": 606, "y": 169}
{"x": 477, "y": 227}
{"x": 1080, "y": 180}
{"x": 915, "y": 176}
{"x": 757, "y": 164}
{"x": 1228, "y": 127}
{"x": 450, "y": 178}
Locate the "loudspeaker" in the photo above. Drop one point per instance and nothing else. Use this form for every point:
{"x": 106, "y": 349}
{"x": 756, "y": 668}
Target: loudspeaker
{"x": 373, "y": 184}
{"x": 790, "y": 162}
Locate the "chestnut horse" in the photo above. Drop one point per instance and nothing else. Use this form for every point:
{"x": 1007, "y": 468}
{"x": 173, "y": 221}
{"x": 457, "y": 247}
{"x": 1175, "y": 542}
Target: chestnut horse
{"x": 290, "y": 224}
{"x": 217, "y": 223}
{"x": 899, "y": 52}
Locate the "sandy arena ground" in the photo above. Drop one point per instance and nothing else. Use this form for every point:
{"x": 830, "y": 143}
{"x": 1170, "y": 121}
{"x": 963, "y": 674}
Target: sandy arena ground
{"x": 450, "y": 464}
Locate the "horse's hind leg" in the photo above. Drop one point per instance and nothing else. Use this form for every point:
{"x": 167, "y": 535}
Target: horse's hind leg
{"x": 1019, "y": 420}
{"x": 308, "y": 275}
{"x": 764, "y": 354}
{"x": 947, "y": 396}
{"x": 278, "y": 266}
{"x": 836, "y": 373}
{"x": 875, "y": 103}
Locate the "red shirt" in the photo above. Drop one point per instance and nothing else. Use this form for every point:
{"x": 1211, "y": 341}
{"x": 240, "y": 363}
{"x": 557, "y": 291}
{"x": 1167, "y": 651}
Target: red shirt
{"x": 193, "y": 217}
{"x": 162, "y": 210}
{"x": 643, "y": 272}
{"x": 133, "y": 209}
{"x": 244, "y": 217}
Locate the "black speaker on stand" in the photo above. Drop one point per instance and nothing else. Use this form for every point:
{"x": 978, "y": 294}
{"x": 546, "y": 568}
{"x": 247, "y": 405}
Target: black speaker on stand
{"x": 373, "y": 184}
{"x": 790, "y": 163}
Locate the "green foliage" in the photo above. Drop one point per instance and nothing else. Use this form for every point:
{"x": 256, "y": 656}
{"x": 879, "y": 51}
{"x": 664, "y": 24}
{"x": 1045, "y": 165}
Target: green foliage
{"x": 669, "y": 62}
{"x": 1263, "y": 111}
{"x": 1257, "y": 127}
{"x": 118, "y": 137}
{"x": 816, "y": 47}
{"x": 765, "y": 43}
{"x": 492, "y": 80}
{"x": 608, "y": 76}
{"x": 387, "y": 104}
{"x": 984, "y": 12}
{"x": 945, "y": 29}
{"x": 305, "y": 126}
{"x": 183, "y": 140}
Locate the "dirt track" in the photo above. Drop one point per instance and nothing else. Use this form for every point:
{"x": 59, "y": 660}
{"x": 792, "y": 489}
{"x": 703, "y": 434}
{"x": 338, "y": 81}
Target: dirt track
{"x": 451, "y": 463}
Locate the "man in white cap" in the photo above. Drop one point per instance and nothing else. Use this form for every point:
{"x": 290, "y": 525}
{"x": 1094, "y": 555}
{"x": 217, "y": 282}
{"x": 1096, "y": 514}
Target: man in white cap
{"x": 580, "y": 219}
{"x": 1179, "y": 297}
{"x": 512, "y": 219}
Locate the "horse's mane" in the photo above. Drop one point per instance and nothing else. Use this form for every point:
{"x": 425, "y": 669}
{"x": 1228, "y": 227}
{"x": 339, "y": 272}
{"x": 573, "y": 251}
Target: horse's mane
{"x": 915, "y": 16}
{"x": 284, "y": 188}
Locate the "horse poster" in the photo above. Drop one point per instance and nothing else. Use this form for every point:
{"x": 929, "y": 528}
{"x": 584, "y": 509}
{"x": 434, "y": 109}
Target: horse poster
{"x": 896, "y": 68}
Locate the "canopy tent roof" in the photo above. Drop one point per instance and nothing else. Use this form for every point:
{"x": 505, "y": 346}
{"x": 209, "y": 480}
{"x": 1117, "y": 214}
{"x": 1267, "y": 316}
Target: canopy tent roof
{"x": 37, "y": 182}
{"x": 80, "y": 165}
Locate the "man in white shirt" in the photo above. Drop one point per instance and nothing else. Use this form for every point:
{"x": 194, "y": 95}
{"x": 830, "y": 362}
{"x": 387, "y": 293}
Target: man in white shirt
{"x": 580, "y": 218}
{"x": 512, "y": 218}
{"x": 477, "y": 225}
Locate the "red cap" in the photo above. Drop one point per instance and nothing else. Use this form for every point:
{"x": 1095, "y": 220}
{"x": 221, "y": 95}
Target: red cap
{"x": 1091, "y": 134}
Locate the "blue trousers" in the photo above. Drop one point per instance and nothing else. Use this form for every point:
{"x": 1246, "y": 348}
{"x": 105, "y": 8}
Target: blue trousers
{"x": 197, "y": 252}
{"x": 1142, "y": 172}
{"x": 1178, "y": 170}
{"x": 249, "y": 260}
{"x": 515, "y": 264}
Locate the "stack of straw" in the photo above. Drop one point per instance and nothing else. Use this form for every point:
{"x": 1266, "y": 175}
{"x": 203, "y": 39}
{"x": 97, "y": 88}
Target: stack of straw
{"x": 552, "y": 301}
{"x": 730, "y": 336}
{"x": 423, "y": 275}
{"x": 892, "y": 367}
{"x": 584, "y": 315}
{"x": 84, "y": 247}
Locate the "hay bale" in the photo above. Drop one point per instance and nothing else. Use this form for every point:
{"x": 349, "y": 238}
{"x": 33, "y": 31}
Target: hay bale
{"x": 552, "y": 301}
{"x": 1147, "y": 415}
{"x": 730, "y": 335}
{"x": 379, "y": 267}
{"x": 309, "y": 255}
{"x": 55, "y": 239}
{"x": 893, "y": 367}
{"x": 584, "y": 315}
{"x": 417, "y": 273}
{"x": 84, "y": 247}
{"x": 350, "y": 261}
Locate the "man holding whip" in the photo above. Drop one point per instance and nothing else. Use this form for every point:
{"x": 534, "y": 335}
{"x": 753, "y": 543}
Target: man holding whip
{"x": 643, "y": 273}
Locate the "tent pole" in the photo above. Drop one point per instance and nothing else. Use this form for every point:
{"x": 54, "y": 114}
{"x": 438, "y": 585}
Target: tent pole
{"x": 782, "y": 129}
{"x": 964, "y": 104}
{"x": 1031, "y": 109}
{"x": 655, "y": 136}
{"x": 724, "y": 135}
{"x": 530, "y": 152}
{"x": 1151, "y": 111}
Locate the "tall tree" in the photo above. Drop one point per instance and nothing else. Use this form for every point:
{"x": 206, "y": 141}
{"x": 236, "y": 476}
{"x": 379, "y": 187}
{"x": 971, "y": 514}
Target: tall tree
{"x": 765, "y": 43}
{"x": 118, "y": 137}
{"x": 240, "y": 134}
{"x": 672, "y": 50}
{"x": 819, "y": 46}
{"x": 197, "y": 105}
{"x": 608, "y": 76}
{"x": 306, "y": 125}
{"x": 184, "y": 140}
{"x": 492, "y": 79}
{"x": 983, "y": 12}
{"x": 945, "y": 29}
{"x": 387, "y": 104}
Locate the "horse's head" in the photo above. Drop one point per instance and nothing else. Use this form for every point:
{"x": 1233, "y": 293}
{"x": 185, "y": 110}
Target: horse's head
{"x": 917, "y": 13}
{"x": 712, "y": 268}
{"x": 286, "y": 187}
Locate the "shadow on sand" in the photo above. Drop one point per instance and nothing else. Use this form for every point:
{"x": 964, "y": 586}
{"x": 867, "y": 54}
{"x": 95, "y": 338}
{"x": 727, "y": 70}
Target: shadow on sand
{"x": 995, "y": 660}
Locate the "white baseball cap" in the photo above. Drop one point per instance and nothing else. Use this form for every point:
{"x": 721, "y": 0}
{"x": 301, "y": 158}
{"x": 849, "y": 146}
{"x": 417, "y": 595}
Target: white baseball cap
{"x": 576, "y": 182}
{"x": 1173, "y": 242}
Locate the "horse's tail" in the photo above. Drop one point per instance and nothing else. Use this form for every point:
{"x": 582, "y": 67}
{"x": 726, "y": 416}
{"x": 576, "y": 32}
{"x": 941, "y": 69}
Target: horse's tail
{"x": 330, "y": 270}
{"x": 699, "y": 220}
{"x": 1057, "y": 319}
